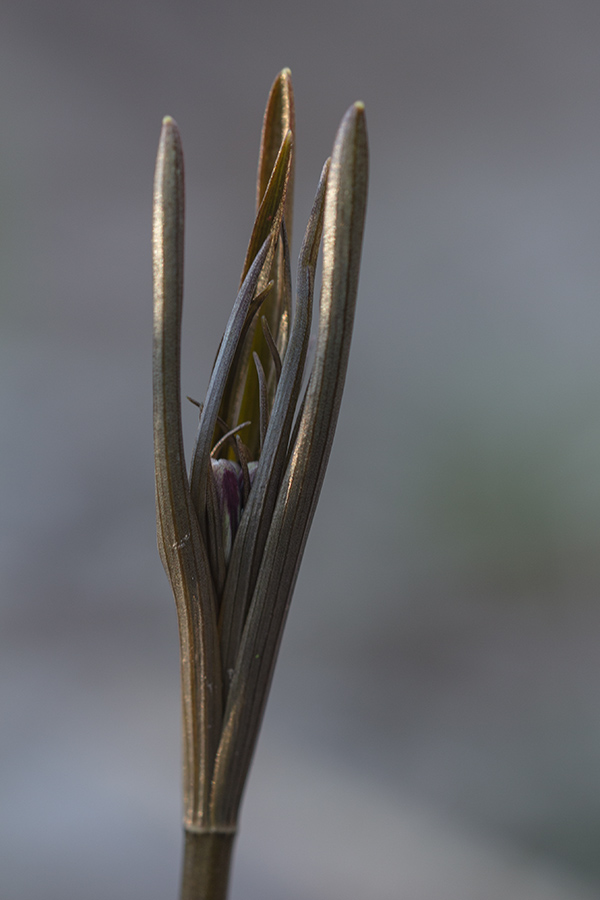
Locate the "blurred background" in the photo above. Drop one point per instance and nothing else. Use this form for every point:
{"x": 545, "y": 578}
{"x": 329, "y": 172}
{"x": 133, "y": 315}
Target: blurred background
{"x": 433, "y": 731}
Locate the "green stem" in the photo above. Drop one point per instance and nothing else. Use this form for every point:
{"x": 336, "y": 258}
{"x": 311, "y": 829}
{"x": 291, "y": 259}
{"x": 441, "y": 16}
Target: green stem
{"x": 206, "y": 864}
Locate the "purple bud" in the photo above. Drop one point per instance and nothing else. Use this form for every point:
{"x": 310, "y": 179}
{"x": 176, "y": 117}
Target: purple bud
{"x": 229, "y": 483}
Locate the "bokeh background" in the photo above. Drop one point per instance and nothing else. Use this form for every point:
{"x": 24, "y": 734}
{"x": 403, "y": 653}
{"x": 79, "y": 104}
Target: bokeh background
{"x": 434, "y": 725}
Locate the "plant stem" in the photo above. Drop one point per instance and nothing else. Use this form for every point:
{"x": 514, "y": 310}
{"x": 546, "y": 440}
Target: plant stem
{"x": 206, "y": 863}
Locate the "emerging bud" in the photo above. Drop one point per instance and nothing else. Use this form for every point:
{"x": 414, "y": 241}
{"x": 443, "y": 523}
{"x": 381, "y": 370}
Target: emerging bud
{"x": 228, "y": 478}
{"x": 231, "y": 537}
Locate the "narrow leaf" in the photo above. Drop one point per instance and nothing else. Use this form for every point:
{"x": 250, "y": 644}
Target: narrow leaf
{"x": 182, "y": 550}
{"x": 240, "y": 398}
{"x": 221, "y": 371}
{"x": 272, "y": 347}
{"x": 344, "y": 221}
{"x": 278, "y": 120}
{"x": 262, "y": 389}
{"x": 254, "y": 526}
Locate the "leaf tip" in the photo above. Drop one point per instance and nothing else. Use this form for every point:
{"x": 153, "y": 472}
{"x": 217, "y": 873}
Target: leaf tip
{"x": 169, "y": 126}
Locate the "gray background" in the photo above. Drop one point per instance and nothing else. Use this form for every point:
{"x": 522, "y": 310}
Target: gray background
{"x": 433, "y": 731}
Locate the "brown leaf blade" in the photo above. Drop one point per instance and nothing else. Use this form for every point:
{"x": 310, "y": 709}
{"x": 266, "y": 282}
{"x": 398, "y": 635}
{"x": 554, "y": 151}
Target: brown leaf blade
{"x": 221, "y": 374}
{"x": 240, "y": 399}
{"x": 254, "y": 526}
{"x": 345, "y": 207}
{"x": 279, "y": 118}
{"x": 181, "y": 548}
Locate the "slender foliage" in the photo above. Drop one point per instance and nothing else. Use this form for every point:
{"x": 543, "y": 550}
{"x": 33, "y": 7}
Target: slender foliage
{"x": 231, "y": 538}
